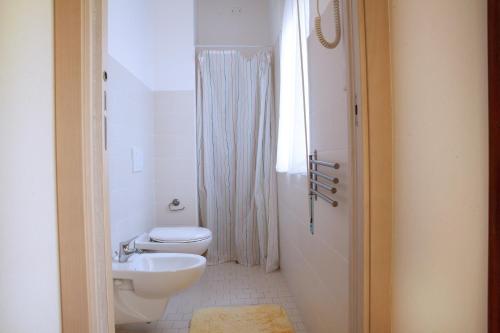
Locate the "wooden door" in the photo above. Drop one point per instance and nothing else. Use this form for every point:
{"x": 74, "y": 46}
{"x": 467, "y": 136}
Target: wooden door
{"x": 494, "y": 150}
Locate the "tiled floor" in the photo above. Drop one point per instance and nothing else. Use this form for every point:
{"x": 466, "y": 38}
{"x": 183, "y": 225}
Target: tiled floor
{"x": 223, "y": 285}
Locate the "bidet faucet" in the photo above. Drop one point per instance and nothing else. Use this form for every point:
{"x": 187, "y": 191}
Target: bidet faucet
{"x": 125, "y": 251}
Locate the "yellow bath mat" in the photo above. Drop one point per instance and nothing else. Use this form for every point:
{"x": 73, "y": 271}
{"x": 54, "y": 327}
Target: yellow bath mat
{"x": 241, "y": 319}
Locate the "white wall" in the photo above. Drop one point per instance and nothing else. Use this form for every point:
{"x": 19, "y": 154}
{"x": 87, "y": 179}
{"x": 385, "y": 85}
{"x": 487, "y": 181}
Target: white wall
{"x": 317, "y": 266}
{"x": 29, "y": 278}
{"x": 131, "y": 37}
{"x": 276, "y": 18}
{"x": 175, "y": 157}
{"x": 439, "y": 56}
{"x": 131, "y": 107}
{"x": 154, "y": 40}
{"x": 173, "y": 50}
{"x": 218, "y": 25}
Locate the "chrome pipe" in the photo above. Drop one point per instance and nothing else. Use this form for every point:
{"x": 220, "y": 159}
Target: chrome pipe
{"x": 326, "y": 198}
{"x": 325, "y": 186}
{"x": 333, "y": 179}
{"x": 327, "y": 164}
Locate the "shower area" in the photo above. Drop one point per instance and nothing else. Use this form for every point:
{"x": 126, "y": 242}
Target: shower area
{"x": 276, "y": 137}
{"x": 239, "y": 116}
{"x": 236, "y": 140}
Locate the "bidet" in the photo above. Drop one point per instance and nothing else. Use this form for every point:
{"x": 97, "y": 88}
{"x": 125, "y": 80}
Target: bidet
{"x": 144, "y": 284}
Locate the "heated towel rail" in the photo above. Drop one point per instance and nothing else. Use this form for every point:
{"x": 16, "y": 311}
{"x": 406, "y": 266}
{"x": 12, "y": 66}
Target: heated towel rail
{"x": 316, "y": 181}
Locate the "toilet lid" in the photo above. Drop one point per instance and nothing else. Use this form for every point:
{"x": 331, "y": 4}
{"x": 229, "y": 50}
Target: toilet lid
{"x": 179, "y": 234}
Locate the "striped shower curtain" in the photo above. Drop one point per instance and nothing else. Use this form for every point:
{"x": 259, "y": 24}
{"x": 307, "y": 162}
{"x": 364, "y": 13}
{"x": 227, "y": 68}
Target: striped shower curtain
{"x": 236, "y": 138}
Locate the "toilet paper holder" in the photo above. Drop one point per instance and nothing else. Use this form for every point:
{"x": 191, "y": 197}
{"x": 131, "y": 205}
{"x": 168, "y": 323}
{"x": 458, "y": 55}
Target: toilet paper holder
{"x": 175, "y": 206}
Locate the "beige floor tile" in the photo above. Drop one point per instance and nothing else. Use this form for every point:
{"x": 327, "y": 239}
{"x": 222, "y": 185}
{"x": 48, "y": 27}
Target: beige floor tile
{"x": 224, "y": 285}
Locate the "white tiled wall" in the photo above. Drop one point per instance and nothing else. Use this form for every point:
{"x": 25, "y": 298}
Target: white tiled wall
{"x": 175, "y": 157}
{"x": 317, "y": 266}
{"x": 130, "y": 125}
{"x": 151, "y": 49}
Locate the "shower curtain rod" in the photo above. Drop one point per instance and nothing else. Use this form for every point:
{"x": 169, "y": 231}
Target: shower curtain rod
{"x": 234, "y": 46}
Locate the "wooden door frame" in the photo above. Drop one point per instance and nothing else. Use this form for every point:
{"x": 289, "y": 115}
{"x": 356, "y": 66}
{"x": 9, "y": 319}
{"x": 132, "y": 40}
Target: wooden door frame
{"x": 377, "y": 114}
{"x": 84, "y": 242}
{"x": 494, "y": 166}
{"x": 84, "y": 239}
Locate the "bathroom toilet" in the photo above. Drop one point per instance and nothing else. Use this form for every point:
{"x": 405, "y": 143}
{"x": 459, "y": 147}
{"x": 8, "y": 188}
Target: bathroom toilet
{"x": 194, "y": 240}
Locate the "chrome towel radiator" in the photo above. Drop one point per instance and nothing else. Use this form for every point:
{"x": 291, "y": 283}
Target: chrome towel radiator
{"x": 316, "y": 181}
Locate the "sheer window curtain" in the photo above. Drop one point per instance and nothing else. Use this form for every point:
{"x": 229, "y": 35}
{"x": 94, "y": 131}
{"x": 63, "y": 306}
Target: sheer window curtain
{"x": 293, "y": 119}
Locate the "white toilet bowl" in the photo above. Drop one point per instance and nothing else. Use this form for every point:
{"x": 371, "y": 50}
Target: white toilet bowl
{"x": 194, "y": 240}
{"x": 144, "y": 284}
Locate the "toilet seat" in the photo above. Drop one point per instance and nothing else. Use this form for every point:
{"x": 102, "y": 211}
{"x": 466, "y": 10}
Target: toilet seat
{"x": 193, "y": 240}
{"x": 179, "y": 234}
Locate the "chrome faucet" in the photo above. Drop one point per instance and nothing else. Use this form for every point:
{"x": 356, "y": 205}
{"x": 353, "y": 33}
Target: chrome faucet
{"x": 125, "y": 251}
